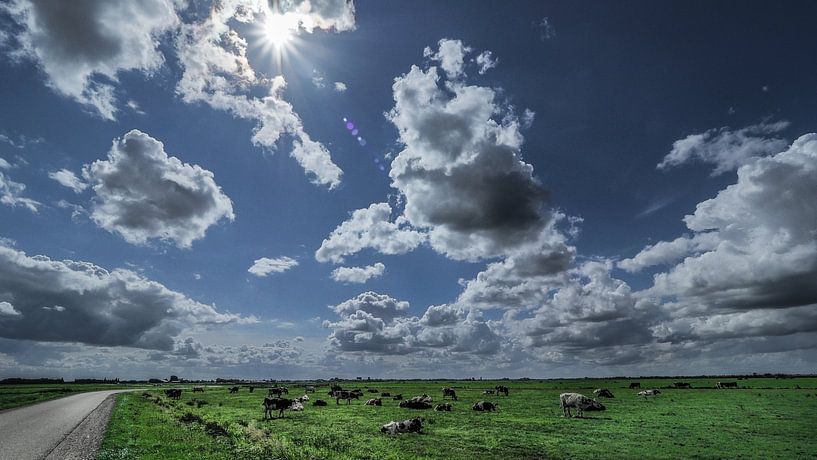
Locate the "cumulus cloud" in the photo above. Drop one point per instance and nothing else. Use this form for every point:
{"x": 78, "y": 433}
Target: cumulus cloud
{"x": 750, "y": 266}
{"x": 11, "y": 194}
{"x": 216, "y": 72}
{"x": 358, "y": 274}
{"x": 141, "y": 193}
{"x": 83, "y": 46}
{"x": 450, "y": 55}
{"x": 486, "y": 61}
{"x": 340, "y": 87}
{"x": 370, "y": 227}
{"x": 99, "y": 307}
{"x": 725, "y": 148}
{"x": 7, "y": 309}
{"x": 264, "y": 266}
{"x": 68, "y": 179}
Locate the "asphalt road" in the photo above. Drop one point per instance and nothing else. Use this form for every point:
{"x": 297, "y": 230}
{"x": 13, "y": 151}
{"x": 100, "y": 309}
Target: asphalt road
{"x": 33, "y": 432}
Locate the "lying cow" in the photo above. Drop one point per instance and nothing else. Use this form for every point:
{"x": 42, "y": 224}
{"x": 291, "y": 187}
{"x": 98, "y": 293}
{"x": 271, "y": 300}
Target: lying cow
{"x": 385, "y": 395}
{"x": 684, "y": 385}
{"x": 448, "y": 391}
{"x": 489, "y": 392}
{"x": 721, "y": 385}
{"x": 309, "y": 389}
{"x": 272, "y": 404}
{"x": 174, "y": 393}
{"x": 502, "y": 389}
{"x": 646, "y": 393}
{"x": 233, "y": 390}
{"x": 303, "y": 398}
{"x": 484, "y": 406}
{"x": 417, "y": 402}
{"x": 373, "y": 402}
{"x": 373, "y": 390}
{"x": 319, "y": 402}
{"x": 414, "y": 425}
{"x": 444, "y": 407}
{"x": 198, "y": 389}
{"x": 397, "y": 397}
{"x": 296, "y": 406}
{"x": 603, "y": 393}
{"x": 635, "y": 385}
{"x": 579, "y": 402}
{"x": 345, "y": 394}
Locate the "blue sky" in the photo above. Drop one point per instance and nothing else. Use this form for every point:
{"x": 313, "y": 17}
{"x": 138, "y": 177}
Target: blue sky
{"x": 516, "y": 207}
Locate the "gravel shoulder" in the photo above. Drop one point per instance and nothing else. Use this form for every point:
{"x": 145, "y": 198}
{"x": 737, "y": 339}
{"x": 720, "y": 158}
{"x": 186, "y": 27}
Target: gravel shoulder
{"x": 84, "y": 441}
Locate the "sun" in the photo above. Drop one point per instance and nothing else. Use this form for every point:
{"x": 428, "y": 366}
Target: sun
{"x": 279, "y": 29}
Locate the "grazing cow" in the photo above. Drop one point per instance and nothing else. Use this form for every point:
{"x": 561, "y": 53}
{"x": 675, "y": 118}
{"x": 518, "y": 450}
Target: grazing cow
{"x": 417, "y": 402}
{"x": 273, "y": 404}
{"x": 233, "y": 389}
{"x": 721, "y": 385}
{"x": 414, "y": 425}
{"x": 448, "y": 391}
{"x": 374, "y": 402}
{"x": 319, "y": 402}
{"x": 251, "y": 388}
{"x": 296, "y": 406}
{"x": 445, "y": 407}
{"x": 309, "y": 389}
{"x": 385, "y": 395}
{"x": 579, "y": 402}
{"x": 174, "y": 393}
{"x": 502, "y": 389}
{"x": 278, "y": 391}
{"x": 646, "y": 393}
{"x": 684, "y": 385}
{"x": 347, "y": 395}
{"x": 198, "y": 389}
{"x": 635, "y": 385}
{"x": 603, "y": 393}
{"x": 334, "y": 388}
{"x": 373, "y": 390}
{"x": 397, "y": 397}
{"x": 484, "y": 406}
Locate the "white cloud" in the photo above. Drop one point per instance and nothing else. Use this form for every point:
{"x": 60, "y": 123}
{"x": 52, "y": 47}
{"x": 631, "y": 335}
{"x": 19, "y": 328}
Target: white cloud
{"x": 727, "y": 149}
{"x": 370, "y": 227}
{"x": 264, "y": 266}
{"x": 68, "y": 179}
{"x": 4, "y": 164}
{"x": 318, "y": 79}
{"x": 7, "y": 309}
{"x": 83, "y": 47}
{"x": 11, "y": 194}
{"x": 546, "y": 29}
{"x": 667, "y": 252}
{"x": 141, "y": 193}
{"x": 358, "y": 274}
{"x": 486, "y": 61}
{"x": 100, "y": 307}
{"x": 450, "y": 55}
{"x": 340, "y": 87}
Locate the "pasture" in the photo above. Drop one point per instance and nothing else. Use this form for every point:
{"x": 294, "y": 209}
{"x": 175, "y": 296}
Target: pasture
{"x": 763, "y": 418}
{"x": 20, "y": 395}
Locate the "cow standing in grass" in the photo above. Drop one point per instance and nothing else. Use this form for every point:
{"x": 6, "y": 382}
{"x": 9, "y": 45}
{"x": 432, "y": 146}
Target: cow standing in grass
{"x": 448, "y": 391}
{"x": 174, "y": 393}
{"x": 502, "y": 389}
{"x": 579, "y": 402}
{"x": 233, "y": 390}
{"x": 198, "y": 389}
{"x": 277, "y": 391}
{"x": 635, "y": 385}
{"x": 347, "y": 395}
{"x": 272, "y": 404}
{"x": 722, "y": 385}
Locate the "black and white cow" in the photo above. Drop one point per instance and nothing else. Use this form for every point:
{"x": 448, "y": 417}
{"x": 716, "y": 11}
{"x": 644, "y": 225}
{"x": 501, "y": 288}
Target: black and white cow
{"x": 579, "y": 402}
{"x": 414, "y": 425}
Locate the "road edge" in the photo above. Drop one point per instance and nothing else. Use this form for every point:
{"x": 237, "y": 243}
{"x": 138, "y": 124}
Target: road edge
{"x": 83, "y": 442}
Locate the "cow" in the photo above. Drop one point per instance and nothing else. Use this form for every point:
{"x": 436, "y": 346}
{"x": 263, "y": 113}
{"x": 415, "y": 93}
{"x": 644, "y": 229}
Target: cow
{"x": 296, "y": 406}
{"x": 397, "y": 397}
{"x": 502, "y": 389}
{"x": 635, "y": 385}
{"x": 385, "y": 395}
{"x": 309, "y": 389}
{"x": 646, "y": 393}
{"x": 373, "y": 402}
{"x": 445, "y": 407}
{"x": 251, "y": 388}
{"x": 579, "y": 402}
{"x": 414, "y": 425}
{"x": 603, "y": 393}
{"x": 302, "y": 398}
{"x": 489, "y": 392}
{"x": 448, "y": 391}
{"x": 174, "y": 393}
{"x": 198, "y": 389}
{"x": 484, "y": 406}
{"x": 684, "y": 385}
{"x": 319, "y": 402}
{"x": 347, "y": 395}
{"x": 417, "y": 402}
{"x": 272, "y": 404}
{"x": 721, "y": 385}
{"x": 373, "y": 390}
{"x": 233, "y": 390}
{"x": 278, "y": 391}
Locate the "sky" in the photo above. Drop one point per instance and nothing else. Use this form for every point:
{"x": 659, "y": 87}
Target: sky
{"x": 320, "y": 188}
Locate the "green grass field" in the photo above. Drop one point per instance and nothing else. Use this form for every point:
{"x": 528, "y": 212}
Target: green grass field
{"x": 764, "y": 418}
{"x": 20, "y": 395}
